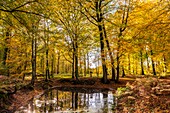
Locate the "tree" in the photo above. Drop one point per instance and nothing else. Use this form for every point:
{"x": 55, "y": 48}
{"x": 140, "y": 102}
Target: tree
{"x": 121, "y": 21}
{"x": 95, "y": 14}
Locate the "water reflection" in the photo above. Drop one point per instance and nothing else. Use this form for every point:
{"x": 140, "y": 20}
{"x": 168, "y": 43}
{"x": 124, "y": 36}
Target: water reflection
{"x": 57, "y": 101}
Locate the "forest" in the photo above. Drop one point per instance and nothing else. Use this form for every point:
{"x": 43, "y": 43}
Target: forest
{"x": 119, "y": 44}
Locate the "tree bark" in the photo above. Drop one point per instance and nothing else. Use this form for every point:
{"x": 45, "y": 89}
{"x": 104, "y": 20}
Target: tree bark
{"x": 58, "y": 63}
{"x": 80, "y": 62}
{"x": 25, "y": 66}
{"x": 141, "y": 61}
{"x": 147, "y": 59}
{"x": 33, "y": 59}
{"x": 73, "y": 63}
{"x": 103, "y": 55}
{"x": 136, "y": 63}
{"x": 85, "y": 65}
{"x": 117, "y": 68}
{"x": 153, "y": 64}
{"x": 6, "y": 48}
{"x": 6, "y": 53}
{"x": 129, "y": 66}
{"x": 47, "y": 66}
{"x": 76, "y": 59}
{"x": 110, "y": 54}
{"x": 98, "y": 67}
{"x": 52, "y": 65}
{"x": 99, "y": 16}
{"x": 88, "y": 64}
{"x": 123, "y": 72}
{"x": 165, "y": 64}
{"x": 42, "y": 64}
{"x": 118, "y": 57}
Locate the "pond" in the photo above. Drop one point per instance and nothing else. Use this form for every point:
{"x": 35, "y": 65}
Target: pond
{"x": 74, "y": 100}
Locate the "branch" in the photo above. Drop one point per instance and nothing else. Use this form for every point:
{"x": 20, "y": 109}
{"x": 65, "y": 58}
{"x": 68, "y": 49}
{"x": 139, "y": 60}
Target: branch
{"x": 23, "y": 5}
{"x": 88, "y": 18}
{"x": 110, "y": 21}
{"x": 88, "y": 14}
{"x": 127, "y": 16}
{"x": 106, "y": 4}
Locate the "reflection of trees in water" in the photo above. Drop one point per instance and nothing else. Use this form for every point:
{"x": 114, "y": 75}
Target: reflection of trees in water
{"x": 105, "y": 100}
{"x": 45, "y": 101}
{"x": 74, "y": 100}
{"x": 56, "y": 100}
{"x": 31, "y": 105}
{"x": 51, "y": 103}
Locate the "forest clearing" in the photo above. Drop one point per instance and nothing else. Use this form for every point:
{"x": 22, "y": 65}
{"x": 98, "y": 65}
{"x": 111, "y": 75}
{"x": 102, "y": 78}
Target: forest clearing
{"x": 85, "y": 56}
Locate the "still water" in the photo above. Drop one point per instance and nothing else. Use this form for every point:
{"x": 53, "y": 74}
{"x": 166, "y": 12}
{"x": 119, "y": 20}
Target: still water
{"x": 59, "y": 101}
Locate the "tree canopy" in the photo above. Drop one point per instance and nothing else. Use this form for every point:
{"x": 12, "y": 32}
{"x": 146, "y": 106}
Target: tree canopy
{"x": 77, "y": 37}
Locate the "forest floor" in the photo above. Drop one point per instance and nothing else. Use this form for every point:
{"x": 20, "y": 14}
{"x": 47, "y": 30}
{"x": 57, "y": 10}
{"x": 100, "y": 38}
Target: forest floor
{"x": 144, "y": 95}
{"x": 138, "y": 95}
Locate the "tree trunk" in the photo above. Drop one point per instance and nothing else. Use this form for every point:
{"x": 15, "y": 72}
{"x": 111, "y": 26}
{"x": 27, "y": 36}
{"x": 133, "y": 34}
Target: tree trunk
{"x": 117, "y": 68}
{"x": 5, "y": 48}
{"x": 88, "y": 64}
{"x": 72, "y": 99}
{"x": 76, "y": 100}
{"x": 147, "y": 60}
{"x": 153, "y": 64}
{"x": 99, "y": 16}
{"x": 47, "y": 67}
{"x": 42, "y": 64}
{"x": 63, "y": 66}
{"x": 85, "y": 65}
{"x": 33, "y": 59}
{"x": 98, "y": 66}
{"x": 25, "y": 66}
{"x": 133, "y": 65}
{"x": 6, "y": 53}
{"x": 52, "y": 66}
{"x": 73, "y": 63}
{"x": 136, "y": 72}
{"x": 123, "y": 72}
{"x": 110, "y": 54}
{"x": 142, "y": 68}
{"x": 58, "y": 63}
{"x": 118, "y": 58}
{"x": 124, "y": 20}
{"x": 165, "y": 65}
{"x": 102, "y": 54}
{"x": 129, "y": 66}
{"x": 47, "y": 60}
{"x": 76, "y": 59}
{"x": 80, "y": 63}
